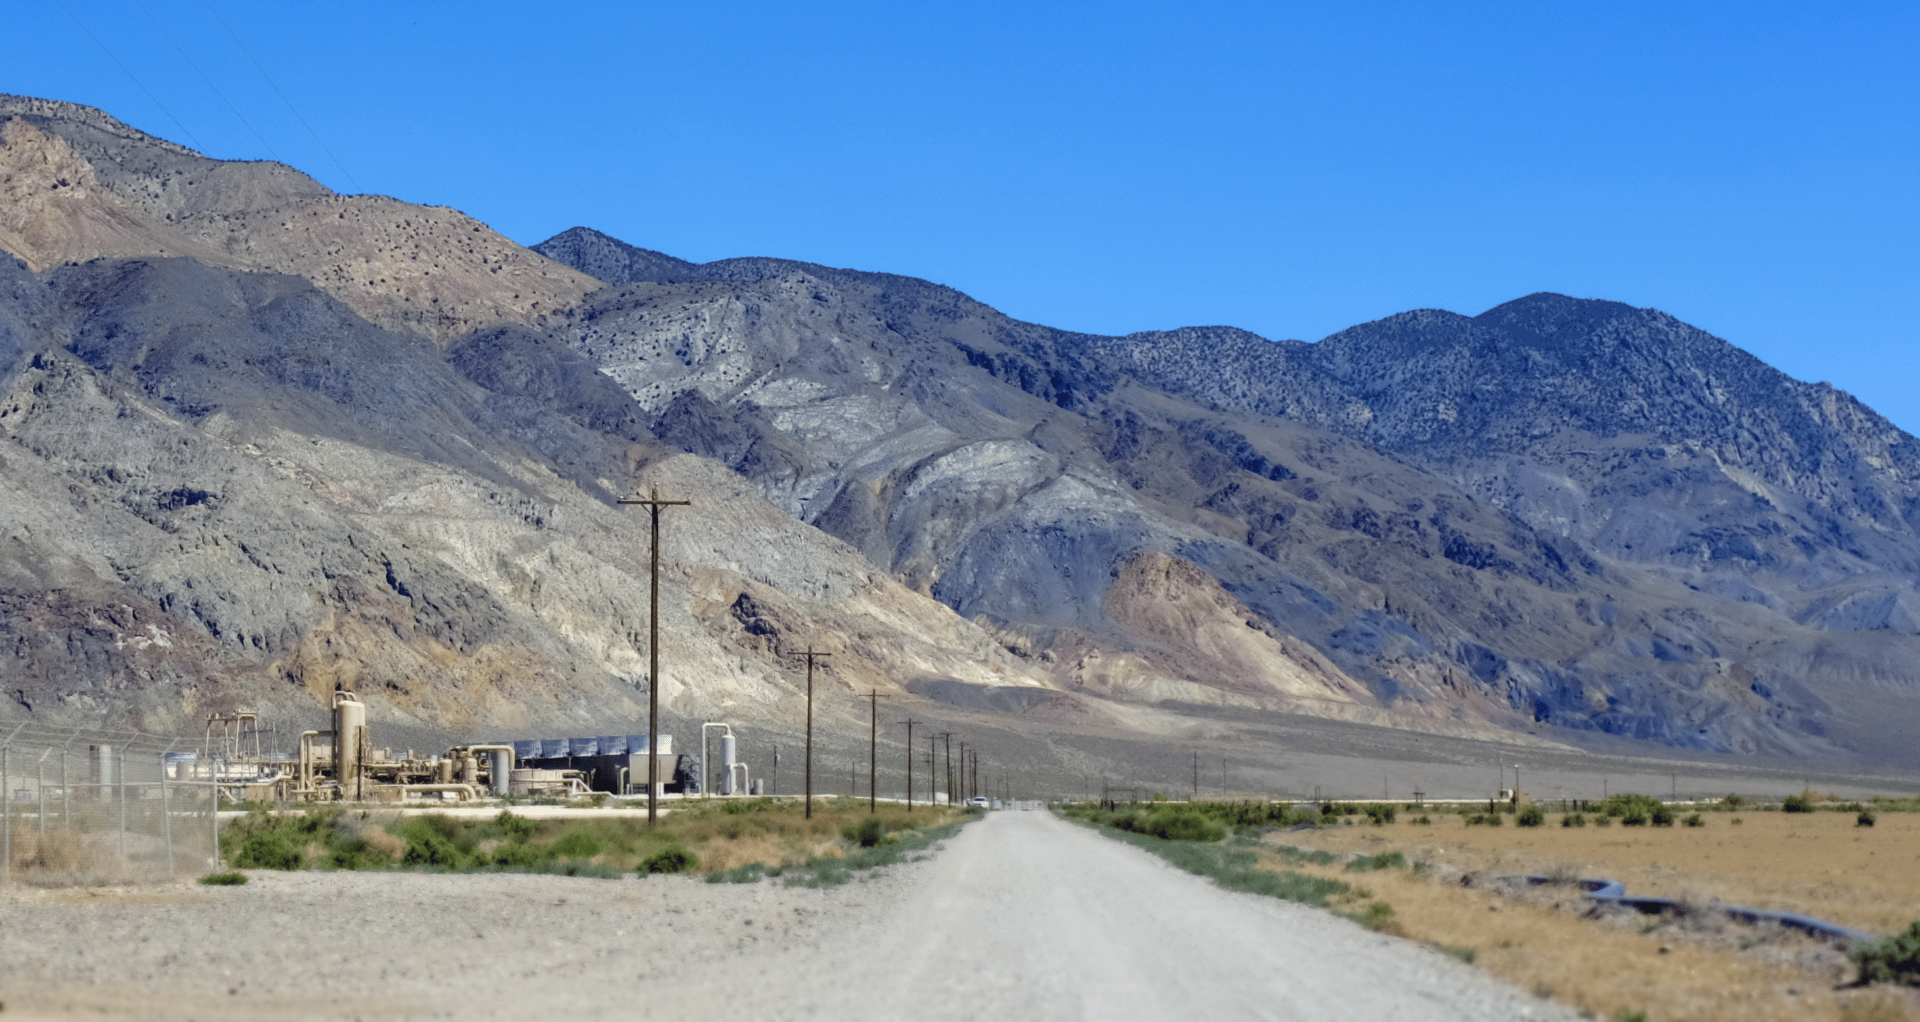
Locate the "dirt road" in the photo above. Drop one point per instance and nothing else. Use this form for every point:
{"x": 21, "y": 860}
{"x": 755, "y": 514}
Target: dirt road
{"x": 1020, "y": 916}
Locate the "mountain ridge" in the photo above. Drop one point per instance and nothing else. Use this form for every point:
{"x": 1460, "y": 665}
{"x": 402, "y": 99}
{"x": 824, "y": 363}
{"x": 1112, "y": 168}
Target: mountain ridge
{"x": 351, "y": 440}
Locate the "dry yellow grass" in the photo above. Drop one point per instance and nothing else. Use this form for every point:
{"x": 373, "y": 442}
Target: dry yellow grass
{"x": 1819, "y": 864}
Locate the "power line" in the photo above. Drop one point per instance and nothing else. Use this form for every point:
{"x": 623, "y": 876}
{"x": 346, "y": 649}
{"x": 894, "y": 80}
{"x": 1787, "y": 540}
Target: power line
{"x": 197, "y": 144}
{"x": 216, "y": 89}
{"x": 237, "y": 41}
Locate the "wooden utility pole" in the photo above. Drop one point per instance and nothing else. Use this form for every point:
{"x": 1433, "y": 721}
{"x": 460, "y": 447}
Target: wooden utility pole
{"x": 910, "y": 725}
{"x": 947, "y": 737}
{"x": 810, "y": 653}
{"x": 933, "y": 759}
{"x": 873, "y": 752}
{"x": 654, "y": 504}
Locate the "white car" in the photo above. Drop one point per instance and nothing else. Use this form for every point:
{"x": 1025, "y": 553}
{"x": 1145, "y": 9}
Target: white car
{"x": 977, "y": 802}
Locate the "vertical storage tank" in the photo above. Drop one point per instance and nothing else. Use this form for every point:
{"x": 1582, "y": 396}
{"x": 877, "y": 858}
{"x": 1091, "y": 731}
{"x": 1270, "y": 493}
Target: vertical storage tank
{"x": 349, "y": 737}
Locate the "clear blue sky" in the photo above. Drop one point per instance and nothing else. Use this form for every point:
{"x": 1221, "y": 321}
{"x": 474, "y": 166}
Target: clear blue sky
{"x": 1293, "y": 169}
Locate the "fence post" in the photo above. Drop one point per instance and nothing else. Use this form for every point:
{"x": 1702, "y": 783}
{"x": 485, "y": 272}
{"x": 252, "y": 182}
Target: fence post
{"x": 213, "y": 812}
{"x": 166, "y": 816}
{"x": 121, "y": 788}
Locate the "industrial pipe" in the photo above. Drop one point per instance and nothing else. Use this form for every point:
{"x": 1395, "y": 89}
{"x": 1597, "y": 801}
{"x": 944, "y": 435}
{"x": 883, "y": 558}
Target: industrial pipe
{"x": 499, "y": 767}
{"x": 467, "y": 791}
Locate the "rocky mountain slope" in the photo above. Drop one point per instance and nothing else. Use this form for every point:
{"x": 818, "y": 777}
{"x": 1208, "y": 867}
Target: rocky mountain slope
{"x": 260, "y": 439}
{"x": 1562, "y": 512}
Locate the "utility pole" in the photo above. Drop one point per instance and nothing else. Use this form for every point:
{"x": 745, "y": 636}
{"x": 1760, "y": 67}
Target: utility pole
{"x": 947, "y": 736}
{"x": 960, "y": 779}
{"x": 654, "y": 504}
{"x": 873, "y": 753}
{"x": 810, "y": 653}
{"x": 933, "y": 759}
{"x": 1196, "y": 777}
{"x": 910, "y": 725}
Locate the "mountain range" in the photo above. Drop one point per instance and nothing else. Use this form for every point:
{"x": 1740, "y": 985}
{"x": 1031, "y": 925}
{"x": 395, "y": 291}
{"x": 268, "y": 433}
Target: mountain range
{"x": 260, "y": 439}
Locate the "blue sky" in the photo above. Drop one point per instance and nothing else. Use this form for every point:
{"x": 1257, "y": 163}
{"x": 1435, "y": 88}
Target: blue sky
{"x": 1292, "y": 169}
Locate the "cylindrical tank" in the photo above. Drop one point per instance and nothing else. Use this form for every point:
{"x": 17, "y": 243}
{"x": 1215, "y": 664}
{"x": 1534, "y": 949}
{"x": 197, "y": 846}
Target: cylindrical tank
{"x": 443, "y": 772}
{"x": 349, "y": 737}
{"x": 726, "y": 764}
{"x": 529, "y": 781}
{"x": 500, "y": 772}
{"x": 469, "y": 770}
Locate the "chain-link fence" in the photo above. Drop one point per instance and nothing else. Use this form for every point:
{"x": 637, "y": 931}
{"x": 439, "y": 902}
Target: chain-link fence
{"x": 84, "y": 806}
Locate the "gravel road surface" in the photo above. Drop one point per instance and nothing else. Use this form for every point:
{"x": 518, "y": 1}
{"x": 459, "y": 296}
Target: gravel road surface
{"x": 1020, "y": 916}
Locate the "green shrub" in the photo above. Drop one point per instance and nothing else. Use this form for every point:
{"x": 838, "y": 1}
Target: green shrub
{"x": 1573, "y": 820}
{"x": 1796, "y": 804}
{"x": 866, "y": 833}
{"x": 518, "y": 854}
{"x": 1170, "y": 823}
{"x": 224, "y": 879}
{"x": 268, "y": 849}
{"x": 355, "y": 853}
{"x": 433, "y": 841}
{"x": 1894, "y": 959}
{"x": 515, "y": 828}
{"x": 1381, "y": 813}
{"x": 1377, "y": 916}
{"x": 1733, "y": 803}
{"x": 1635, "y": 810}
{"x": 1865, "y": 819}
{"x": 577, "y": 844}
{"x": 1662, "y": 816}
{"x": 1369, "y": 863}
{"x": 673, "y": 859}
{"x": 1696, "y": 820}
{"x": 1531, "y": 816}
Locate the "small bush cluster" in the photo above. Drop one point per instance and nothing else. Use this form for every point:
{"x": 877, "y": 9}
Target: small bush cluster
{"x": 1893, "y": 959}
{"x": 1573, "y": 820}
{"x": 1369, "y": 863}
{"x": 1169, "y": 823}
{"x": 1796, "y": 804}
{"x": 1381, "y": 813}
{"x": 1531, "y": 816}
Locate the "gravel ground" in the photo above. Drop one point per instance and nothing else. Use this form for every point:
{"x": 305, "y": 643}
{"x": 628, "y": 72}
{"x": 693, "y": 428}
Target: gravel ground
{"x": 1019, "y": 916}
